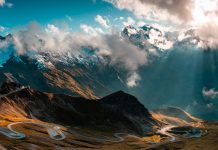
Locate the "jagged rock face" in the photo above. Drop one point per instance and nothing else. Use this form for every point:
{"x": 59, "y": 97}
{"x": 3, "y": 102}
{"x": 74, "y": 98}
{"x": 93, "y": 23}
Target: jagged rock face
{"x": 49, "y": 79}
{"x": 78, "y": 111}
{"x": 147, "y": 37}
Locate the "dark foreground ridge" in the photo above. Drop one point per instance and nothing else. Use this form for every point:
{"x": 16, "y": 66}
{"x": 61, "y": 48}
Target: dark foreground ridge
{"x": 118, "y": 111}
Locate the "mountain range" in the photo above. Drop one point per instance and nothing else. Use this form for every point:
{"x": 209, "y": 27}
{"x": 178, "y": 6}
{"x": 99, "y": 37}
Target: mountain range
{"x": 177, "y": 72}
{"x": 85, "y": 100}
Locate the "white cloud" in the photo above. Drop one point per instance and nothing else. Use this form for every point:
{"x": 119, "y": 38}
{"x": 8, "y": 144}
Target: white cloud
{"x": 206, "y": 22}
{"x": 90, "y": 30}
{"x": 123, "y": 53}
{"x": 204, "y": 11}
{"x": 141, "y": 23}
{"x": 181, "y": 14}
{"x": 210, "y": 93}
{"x": 133, "y": 79}
{"x": 102, "y": 21}
{"x": 52, "y": 28}
{"x": 129, "y": 22}
{"x": 39, "y": 39}
{"x": 2, "y": 28}
{"x": 157, "y": 9}
{"x": 121, "y": 18}
{"x": 198, "y": 14}
{"x": 209, "y": 33}
{"x": 63, "y": 41}
{"x": 3, "y": 3}
{"x": 187, "y": 12}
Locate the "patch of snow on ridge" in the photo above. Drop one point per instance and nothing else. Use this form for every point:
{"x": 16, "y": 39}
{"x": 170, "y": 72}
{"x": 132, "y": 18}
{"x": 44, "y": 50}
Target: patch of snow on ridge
{"x": 157, "y": 39}
{"x": 148, "y": 35}
{"x": 132, "y": 31}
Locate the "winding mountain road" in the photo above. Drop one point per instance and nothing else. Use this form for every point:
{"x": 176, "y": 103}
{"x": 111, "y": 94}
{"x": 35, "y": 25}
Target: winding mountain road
{"x": 164, "y": 132}
{"x": 12, "y": 133}
{"x": 54, "y": 132}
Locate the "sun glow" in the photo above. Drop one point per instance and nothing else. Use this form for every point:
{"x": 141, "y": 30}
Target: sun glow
{"x": 204, "y": 10}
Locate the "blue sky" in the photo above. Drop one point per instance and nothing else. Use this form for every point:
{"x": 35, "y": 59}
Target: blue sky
{"x": 164, "y": 14}
{"x": 47, "y": 11}
{"x": 74, "y": 13}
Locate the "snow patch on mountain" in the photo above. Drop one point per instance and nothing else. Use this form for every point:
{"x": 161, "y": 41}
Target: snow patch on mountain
{"x": 147, "y": 36}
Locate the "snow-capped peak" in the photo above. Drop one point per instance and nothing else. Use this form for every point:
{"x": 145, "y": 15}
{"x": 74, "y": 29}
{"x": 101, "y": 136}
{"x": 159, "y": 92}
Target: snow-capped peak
{"x": 147, "y": 35}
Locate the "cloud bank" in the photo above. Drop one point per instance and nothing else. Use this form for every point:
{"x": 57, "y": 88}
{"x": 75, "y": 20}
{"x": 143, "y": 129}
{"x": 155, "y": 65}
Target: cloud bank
{"x": 209, "y": 32}
{"x": 198, "y": 14}
{"x": 156, "y": 9}
{"x": 51, "y": 39}
{"x": 90, "y": 30}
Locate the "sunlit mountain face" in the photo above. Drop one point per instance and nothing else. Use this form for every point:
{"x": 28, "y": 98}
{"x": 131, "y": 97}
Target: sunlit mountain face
{"x": 59, "y": 61}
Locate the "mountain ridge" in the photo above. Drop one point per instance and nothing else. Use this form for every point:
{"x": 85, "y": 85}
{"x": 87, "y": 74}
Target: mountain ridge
{"x": 80, "y": 111}
{"x": 93, "y": 77}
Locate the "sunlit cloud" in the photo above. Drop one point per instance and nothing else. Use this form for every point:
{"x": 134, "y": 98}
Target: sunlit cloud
{"x": 90, "y": 30}
{"x": 133, "y": 80}
{"x": 177, "y": 11}
{"x": 157, "y": 9}
{"x": 204, "y": 10}
{"x": 4, "y": 3}
{"x": 210, "y": 93}
{"x": 52, "y": 39}
{"x": 130, "y": 21}
{"x": 200, "y": 15}
{"x": 102, "y": 21}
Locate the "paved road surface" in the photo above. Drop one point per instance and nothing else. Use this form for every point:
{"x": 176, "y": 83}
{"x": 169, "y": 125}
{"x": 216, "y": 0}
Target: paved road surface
{"x": 164, "y": 132}
{"x": 54, "y": 132}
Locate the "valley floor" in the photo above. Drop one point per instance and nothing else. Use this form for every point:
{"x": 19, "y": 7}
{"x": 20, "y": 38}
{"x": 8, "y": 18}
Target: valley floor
{"x": 84, "y": 139}
{"x": 206, "y": 142}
